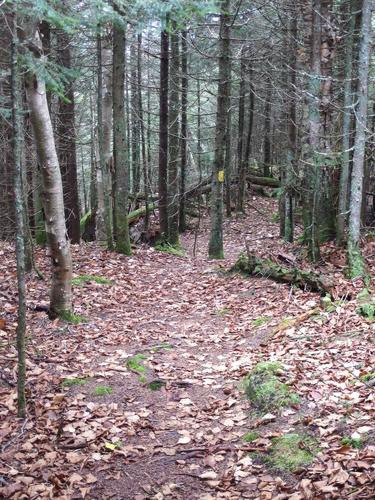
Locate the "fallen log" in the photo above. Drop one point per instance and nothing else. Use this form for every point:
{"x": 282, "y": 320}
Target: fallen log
{"x": 263, "y": 181}
{"x": 140, "y": 212}
{"x": 306, "y": 280}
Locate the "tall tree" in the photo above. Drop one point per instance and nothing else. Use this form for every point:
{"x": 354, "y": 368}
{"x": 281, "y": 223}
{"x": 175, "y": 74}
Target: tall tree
{"x": 241, "y": 133}
{"x": 163, "y": 132}
{"x": 346, "y": 124}
{"x": 174, "y": 140}
{"x": 67, "y": 142}
{"x": 135, "y": 121}
{"x": 355, "y": 260}
{"x": 20, "y": 220}
{"x": 311, "y": 144}
{"x": 288, "y": 227}
{"x": 104, "y": 112}
{"x": 216, "y": 248}
{"x": 184, "y": 135}
{"x": 119, "y": 141}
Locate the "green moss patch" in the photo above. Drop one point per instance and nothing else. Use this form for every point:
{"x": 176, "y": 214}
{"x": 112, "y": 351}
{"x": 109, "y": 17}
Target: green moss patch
{"x": 135, "y": 363}
{"x": 70, "y": 317}
{"x": 292, "y": 452}
{"x": 90, "y": 278}
{"x": 84, "y": 220}
{"x": 261, "y": 321}
{"x": 367, "y": 311}
{"x": 367, "y": 377}
{"x": 265, "y": 390}
{"x": 71, "y": 382}
{"x": 156, "y": 385}
{"x": 249, "y": 437}
{"x": 161, "y": 347}
{"x": 357, "y": 443}
{"x": 102, "y": 390}
{"x": 163, "y": 246}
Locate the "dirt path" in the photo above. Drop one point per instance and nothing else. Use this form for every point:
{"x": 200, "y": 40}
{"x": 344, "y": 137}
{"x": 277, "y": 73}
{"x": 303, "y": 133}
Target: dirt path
{"x": 192, "y": 333}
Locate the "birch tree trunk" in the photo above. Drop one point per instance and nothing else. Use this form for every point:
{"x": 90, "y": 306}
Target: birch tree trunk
{"x": 52, "y": 194}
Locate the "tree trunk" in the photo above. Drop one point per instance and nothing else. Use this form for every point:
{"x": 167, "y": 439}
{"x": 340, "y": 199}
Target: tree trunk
{"x": 163, "y": 133}
{"x": 246, "y": 159}
{"x": 89, "y": 232}
{"x": 267, "y": 129}
{"x": 19, "y": 206}
{"x": 216, "y": 248}
{"x": 241, "y": 134}
{"x": 355, "y": 260}
{"x": 7, "y": 225}
{"x": 52, "y": 195}
{"x": 174, "y": 103}
{"x": 67, "y": 144}
{"x": 228, "y": 159}
{"x": 288, "y": 230}
{"x": 104, "y": 105}
{"x": 346, "y": 128}
{"x": 119, "y": 142}
{"x": 145, "y": 164}
{"x": 311, "y": 146}
{"x": 135, "y": 142}
{"x": 184, "y": 137}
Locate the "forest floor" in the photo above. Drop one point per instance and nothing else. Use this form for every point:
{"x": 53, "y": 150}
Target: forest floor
{"x": 144, "y": 400}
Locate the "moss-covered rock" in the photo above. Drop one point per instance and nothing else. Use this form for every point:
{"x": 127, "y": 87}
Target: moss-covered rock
{"x": 292, "y": 452}
{"x": 265, "y": 389}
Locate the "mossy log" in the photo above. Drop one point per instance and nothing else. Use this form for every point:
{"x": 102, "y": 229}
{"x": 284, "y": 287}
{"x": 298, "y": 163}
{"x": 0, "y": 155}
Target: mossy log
{"x": 306, "y": 280}
{"x": 263, "y": 181}
{"x": 140, "y": 212}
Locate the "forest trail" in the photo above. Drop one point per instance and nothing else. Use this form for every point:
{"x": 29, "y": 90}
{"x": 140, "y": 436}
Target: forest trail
{"x": 190, "y": 331}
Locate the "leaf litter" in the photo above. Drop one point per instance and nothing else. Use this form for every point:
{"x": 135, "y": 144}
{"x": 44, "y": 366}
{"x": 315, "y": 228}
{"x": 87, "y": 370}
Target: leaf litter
{"x": 186, "y": 439}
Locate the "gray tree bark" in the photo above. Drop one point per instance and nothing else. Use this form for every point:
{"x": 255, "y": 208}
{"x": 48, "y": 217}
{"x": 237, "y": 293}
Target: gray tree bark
{"x": 216, "y": 248}
{"x": 355, "y": 260}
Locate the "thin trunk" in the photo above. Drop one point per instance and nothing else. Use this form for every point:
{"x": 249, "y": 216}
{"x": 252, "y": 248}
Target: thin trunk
{"x": 119, "y": 142}
{"x": 246, "y": 160}
{"x": 163, "y": 133}
{"x": 216, "y": 248}
{"x": 292, "y": 135}
{"x": 20, "y": 222}
{"x": 355, "y": 260}
{"x": 241, "y": 134}
{"x": 267, "y": 129}
{"x": 346, "y": 128}
{"x": 135, "y": 120}
{"x": 90, "y": 227}
{"x": 228, "y": 160}
{"x": 174, "y": 102}
{"x": 104, "y": 225}
{"x": 145, "y": 166}
{"x": 184, "y": 138}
